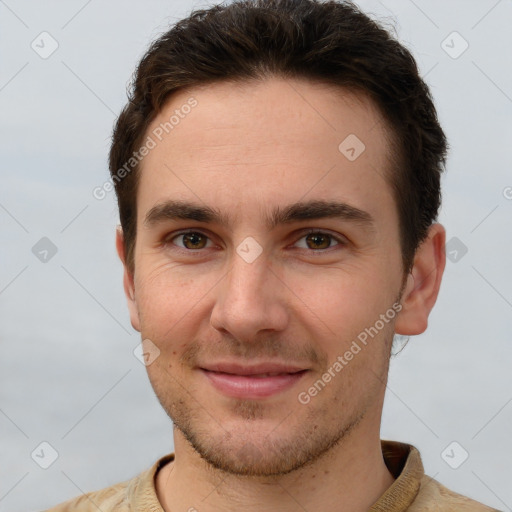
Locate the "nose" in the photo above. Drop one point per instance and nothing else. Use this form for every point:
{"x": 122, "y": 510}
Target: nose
{"x": 250, "y": 299}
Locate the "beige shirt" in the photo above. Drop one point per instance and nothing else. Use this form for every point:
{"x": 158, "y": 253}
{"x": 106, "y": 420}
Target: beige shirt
{"x": 412, "y": 490}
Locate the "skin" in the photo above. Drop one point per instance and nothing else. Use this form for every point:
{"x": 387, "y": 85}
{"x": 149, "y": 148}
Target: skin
{"x": 246, "y": 149}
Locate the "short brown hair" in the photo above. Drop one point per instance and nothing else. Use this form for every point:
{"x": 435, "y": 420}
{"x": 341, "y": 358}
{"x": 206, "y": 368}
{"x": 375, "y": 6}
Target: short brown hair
{"x": 331, "y": 42}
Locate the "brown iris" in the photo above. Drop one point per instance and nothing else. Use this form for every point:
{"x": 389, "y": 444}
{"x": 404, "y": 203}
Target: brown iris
{"x": 320, "y": 240}
{"x": 196, "y": 240}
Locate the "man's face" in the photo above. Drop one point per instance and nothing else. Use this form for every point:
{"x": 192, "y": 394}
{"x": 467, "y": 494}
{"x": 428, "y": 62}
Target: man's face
{"x": 241, "y": 292}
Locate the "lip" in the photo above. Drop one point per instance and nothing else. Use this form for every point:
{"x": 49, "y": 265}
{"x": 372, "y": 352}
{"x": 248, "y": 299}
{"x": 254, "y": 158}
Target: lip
{"x": 254, "y": 369}
{"x": 247, "y": 382}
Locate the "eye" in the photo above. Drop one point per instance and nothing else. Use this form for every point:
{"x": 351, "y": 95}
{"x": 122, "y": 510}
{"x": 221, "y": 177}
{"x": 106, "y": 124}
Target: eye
{"x": 190, "y": 240}
{"x": 315, "y": 240}
{"x": 319, "y": 241}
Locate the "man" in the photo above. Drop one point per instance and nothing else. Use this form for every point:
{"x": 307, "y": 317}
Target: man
{"x": 278, "y": 169}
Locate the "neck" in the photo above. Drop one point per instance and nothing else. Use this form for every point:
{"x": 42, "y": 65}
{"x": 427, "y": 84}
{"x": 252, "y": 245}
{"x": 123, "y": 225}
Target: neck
{"x": 351, "y": 476}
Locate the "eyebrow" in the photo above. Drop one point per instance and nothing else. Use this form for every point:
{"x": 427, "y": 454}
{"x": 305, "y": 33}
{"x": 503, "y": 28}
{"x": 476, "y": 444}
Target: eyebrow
{"x": 316, "y": 209}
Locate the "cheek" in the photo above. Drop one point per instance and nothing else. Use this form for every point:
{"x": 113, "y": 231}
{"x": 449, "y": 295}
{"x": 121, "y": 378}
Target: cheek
{"x": 167, "y": 298}
{"x": 341, "y": 312}
{"x": 339, "y": 299}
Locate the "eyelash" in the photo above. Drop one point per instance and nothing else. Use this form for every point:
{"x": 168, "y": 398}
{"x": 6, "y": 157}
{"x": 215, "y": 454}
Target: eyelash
{"x": 341, "y": 242}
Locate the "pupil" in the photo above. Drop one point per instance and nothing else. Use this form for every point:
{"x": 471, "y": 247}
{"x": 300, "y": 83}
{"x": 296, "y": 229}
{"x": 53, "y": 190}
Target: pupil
{"x": 193, "y": 238}
{"x": 317, "y": 239}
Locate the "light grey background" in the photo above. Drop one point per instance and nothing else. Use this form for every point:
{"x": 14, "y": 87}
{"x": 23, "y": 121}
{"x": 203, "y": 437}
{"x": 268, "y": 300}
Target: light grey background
{"x": 68, "y": 373}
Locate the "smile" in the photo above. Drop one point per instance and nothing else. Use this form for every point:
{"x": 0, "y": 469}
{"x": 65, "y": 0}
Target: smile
{"x": 252, "y": 386}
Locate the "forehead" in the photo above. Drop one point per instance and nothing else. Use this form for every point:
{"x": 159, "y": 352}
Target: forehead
{"x": 272, "y": 110}
{"x": 266, "y": 141}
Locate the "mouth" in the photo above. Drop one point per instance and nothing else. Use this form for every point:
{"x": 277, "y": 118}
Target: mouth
{"x": 255, "y": 382}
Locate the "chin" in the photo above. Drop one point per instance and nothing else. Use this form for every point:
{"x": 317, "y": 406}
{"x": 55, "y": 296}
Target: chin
{"x": 257, "y": 447}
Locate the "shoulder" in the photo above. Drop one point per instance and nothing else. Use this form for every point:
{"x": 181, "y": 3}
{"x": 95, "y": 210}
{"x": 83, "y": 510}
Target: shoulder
{"x": 138, "y": 493}
{"x": 433, "y": 496}
{"x": 108, "y": 499}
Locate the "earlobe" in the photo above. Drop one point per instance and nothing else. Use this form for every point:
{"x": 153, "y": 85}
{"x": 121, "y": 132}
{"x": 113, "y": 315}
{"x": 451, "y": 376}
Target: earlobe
{"x": 423, "y": 283}
{"x": 128, "y": 281}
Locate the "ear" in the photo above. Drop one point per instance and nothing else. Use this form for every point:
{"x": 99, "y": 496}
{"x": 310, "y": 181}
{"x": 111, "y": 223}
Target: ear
{"x": 423, "y": 283}
{"x": 128, "y": 282}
